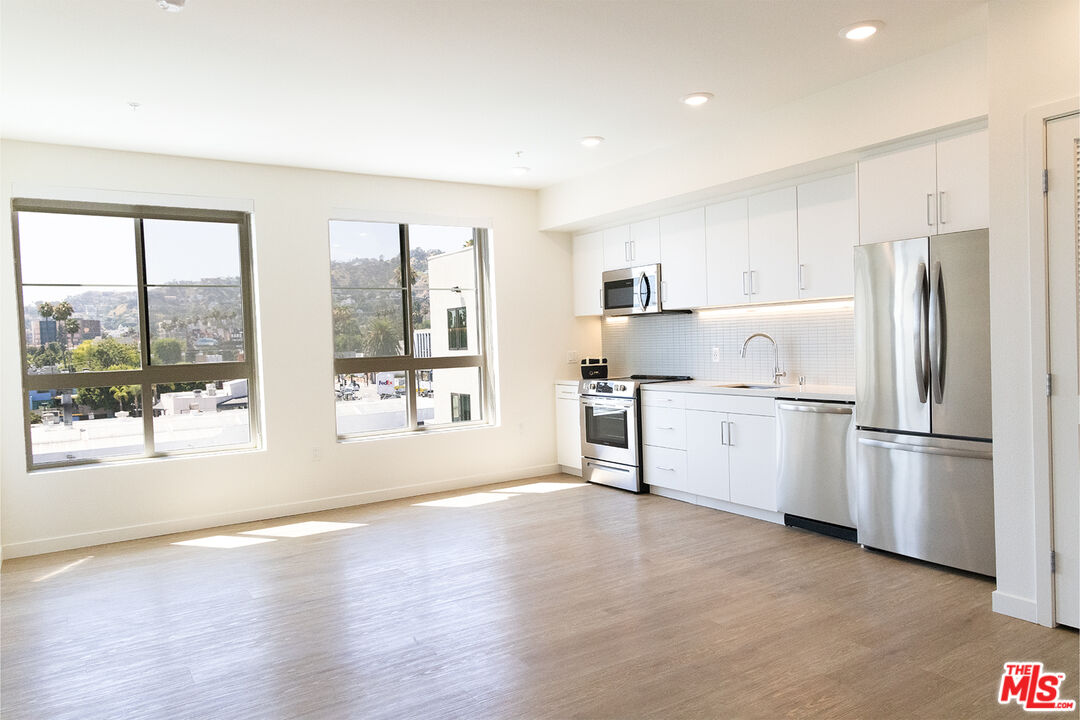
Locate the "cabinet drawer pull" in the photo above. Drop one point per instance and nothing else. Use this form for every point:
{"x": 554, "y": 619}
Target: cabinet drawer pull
{"x": 664, "y": 427}
{"x": 668, "y": 469}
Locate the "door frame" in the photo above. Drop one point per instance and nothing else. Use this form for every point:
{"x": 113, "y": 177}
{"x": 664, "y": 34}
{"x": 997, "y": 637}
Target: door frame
{"x": 1035, "y": 135}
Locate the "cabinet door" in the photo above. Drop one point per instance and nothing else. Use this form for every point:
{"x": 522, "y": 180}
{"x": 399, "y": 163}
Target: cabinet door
{"x": 645, "y": 242}
{"x": 727, "y": 259}
{"x": 963, "y": 183}
{"x": 752, "y": 460}
{"x": 617, "y": 248}
{"x": 828, "y": 230}
{"x": 568, "y": 428}
{"x": 774, "y": 246}
{"x": 897, "y": 195}
{"x": 706, "y": 456}
{"x": 665, "y": 467}
{"x": 588, "y": 273}
{"x": 682, "y": 257}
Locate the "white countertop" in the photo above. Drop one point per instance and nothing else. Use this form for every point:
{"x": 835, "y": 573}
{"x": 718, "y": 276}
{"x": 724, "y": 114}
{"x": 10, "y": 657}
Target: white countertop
{"x": 806, "y": 392}
{"x": 572, "y": 383}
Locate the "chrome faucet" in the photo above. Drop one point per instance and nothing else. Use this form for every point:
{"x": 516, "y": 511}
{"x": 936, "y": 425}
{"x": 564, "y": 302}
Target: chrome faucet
{"x": 777, "y": 372}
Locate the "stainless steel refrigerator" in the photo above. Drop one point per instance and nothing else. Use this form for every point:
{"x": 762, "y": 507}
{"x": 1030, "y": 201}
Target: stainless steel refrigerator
{"x": 922, "y": 382}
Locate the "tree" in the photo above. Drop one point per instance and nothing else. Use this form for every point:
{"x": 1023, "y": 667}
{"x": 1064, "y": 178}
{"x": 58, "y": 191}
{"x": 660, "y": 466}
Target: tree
{"x": 166, "y": 351}
{"x": 48, "y": 354}
{"x": 381, "y": 338}
{"x": 105, "y": 354}
{"x": 71, "y": 327}
{"x": 121, "y": 393}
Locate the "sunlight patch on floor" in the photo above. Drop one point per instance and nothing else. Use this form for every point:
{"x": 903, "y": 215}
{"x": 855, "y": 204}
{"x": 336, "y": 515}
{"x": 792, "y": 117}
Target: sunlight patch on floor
{"x": 223, "y": 541}
{"x": 464, "y": 501}
{"x": 540, "y": 487}
{"x": 63, "y": 569}
{"x": 302, "y": 529}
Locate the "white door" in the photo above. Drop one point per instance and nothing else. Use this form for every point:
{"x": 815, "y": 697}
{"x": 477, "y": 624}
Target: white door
{"x": 1063, "y": 217}
{"x": 828, "y": 232}
{"x": 752, "y": 460}
{"x": 588, "y": 273}
{"x": 682, "y": 260}
{"x": 963, "y": 183}
{"x": 568, "y": 427}
{"x": 645, "y": 242}
{"x": 727, "y": 258}
{"x": 897, "y": 195}
{"x": 706, "y": 456}
{"x": 774, "y": 246}
{"x": 617, "y": 247}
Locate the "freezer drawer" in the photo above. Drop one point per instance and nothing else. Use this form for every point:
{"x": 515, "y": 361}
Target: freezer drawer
{"x": 928, "y": 498}
{"x": 817, "y": 447}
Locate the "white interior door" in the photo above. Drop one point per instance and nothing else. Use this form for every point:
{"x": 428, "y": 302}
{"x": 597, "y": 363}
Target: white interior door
{"x": 1063, "y": 224}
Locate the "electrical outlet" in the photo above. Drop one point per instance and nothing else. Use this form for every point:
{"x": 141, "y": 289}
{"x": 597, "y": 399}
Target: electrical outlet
{"x": 316, "y": 454}
{"x": 716, "y": 354}
{"x": 571, "y": 357}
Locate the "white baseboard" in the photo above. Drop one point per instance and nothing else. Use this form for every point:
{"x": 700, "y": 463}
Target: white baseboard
{"x": 267, "y": 512}
{"x": 1014, "y": 606}
{"x": 735, "y": 508}
{"x": 570, "y": 470}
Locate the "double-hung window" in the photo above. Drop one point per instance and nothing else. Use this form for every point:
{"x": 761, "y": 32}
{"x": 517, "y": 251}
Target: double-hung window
{"x": 137, "y": 331}
{"x": 409, "y": 333}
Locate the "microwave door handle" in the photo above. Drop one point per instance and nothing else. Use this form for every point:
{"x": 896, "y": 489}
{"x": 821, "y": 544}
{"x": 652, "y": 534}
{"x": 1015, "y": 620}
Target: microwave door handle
{"x": 645, "y": 289}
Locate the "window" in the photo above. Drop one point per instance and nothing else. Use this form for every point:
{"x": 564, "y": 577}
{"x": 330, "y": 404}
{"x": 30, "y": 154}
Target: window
{"x": 137, "y": 332}
{"x": 457, "y": 329}
{"x": 404, "y": 348}
{"x": 460, "y": 409}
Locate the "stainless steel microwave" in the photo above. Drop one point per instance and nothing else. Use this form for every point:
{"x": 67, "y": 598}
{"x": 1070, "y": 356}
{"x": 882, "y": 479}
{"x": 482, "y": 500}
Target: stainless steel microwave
{"x": 632, "y": 291}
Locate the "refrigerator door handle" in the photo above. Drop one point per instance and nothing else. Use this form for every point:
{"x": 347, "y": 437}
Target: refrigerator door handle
{"x": 928, "y": 449}
{"x": 921, "y": 336}
{"x": 938, "y": 334}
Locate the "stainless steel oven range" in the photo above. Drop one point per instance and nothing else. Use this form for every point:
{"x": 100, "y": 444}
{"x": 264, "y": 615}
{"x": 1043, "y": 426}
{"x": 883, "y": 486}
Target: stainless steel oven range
{"x": 611, "y": 430}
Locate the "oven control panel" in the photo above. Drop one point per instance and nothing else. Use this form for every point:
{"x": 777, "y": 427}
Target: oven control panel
{"x": 604, "y": 387}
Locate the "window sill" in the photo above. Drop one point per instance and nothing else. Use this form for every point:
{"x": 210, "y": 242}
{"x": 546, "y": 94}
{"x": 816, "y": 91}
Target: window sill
{"x": 106, "y": 464}
{"x": 418, "y": 432}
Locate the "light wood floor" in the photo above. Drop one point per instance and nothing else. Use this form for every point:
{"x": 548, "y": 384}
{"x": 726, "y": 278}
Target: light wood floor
{"x": 587, "y": 602}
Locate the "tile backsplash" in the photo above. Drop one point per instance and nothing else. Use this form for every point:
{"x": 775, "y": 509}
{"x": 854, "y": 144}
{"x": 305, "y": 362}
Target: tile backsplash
{"x": 816, "y": 341}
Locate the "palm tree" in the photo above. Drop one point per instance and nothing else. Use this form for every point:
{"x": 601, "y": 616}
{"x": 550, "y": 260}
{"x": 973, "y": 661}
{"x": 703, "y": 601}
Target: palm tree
{"x": 121, "y": 393}
{"x": 381, "y": 338}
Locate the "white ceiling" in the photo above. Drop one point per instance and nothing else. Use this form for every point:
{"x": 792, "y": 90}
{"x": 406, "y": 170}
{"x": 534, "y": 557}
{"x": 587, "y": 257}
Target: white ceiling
{"x": 442, "y": 89}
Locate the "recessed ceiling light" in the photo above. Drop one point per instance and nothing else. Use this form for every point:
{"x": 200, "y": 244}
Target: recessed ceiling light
{"x": 698, "y": 98}
{"x": 591, "y": 140}
{"x": 171, "y": 5}
{"x": 134, "y": 106}
{"x": 520, "y": 170}
{"x": 861, "y": 30}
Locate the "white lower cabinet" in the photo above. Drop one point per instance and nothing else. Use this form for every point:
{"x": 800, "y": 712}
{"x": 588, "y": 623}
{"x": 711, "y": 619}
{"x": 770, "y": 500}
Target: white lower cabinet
{"x": 568, "y": 427}
{"x": 751, "y": 447}
{"x": 719, "y": 447}
{"x": 665, "y": 467}
{"x": 706, "y": 456}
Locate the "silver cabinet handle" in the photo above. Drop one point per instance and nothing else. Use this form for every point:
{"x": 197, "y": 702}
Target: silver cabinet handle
{"x": 930, "y": 209}
{"x": 802, "y": 274}
{"x": 626, "y": 251}
{"x": 753, "y": 273}
{"x": 664, "y": 427}
{"x": 669, "y": 469}
{"x": 633, "y": 250}
{"x": 731, "y": 433}
{"x": 744, "y": 290}
{"x": 941, "y": 207}
{"x": 921, "y": 336}
{"x": 723, "y": 432}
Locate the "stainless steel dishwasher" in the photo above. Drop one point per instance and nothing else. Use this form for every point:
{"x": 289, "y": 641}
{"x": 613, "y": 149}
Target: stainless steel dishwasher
{"x": 816, "y": 484}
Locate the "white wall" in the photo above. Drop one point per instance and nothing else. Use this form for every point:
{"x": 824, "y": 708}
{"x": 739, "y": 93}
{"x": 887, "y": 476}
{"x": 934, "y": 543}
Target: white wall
{"x": 51, "y": 510}
{"x": 818, "y": 132}
{"x": 1033, "y": 61}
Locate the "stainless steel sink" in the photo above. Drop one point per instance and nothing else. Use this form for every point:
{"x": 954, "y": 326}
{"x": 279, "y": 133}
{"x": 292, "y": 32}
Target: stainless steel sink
{"x": 749, "y": 386}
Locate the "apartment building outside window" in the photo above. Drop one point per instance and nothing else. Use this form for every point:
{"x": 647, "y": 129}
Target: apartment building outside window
{"x": 137, "y": 331}
{"x": 408, "y": 312}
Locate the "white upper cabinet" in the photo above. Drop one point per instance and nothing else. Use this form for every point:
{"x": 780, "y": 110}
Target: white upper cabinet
{"x": 682, "y": 258}
{"x": 617, "y": 248}
{"x": 588, "y": 273}
{"x": 727, "y": 255}
{"x": 828, "y": 232}
{"x": 936, "y": 188}
{"x": 645, "y": 242}
{"x": 896, "y": 195}
{"x": 774, "y": 240}
{"x": 963, "y": 183}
